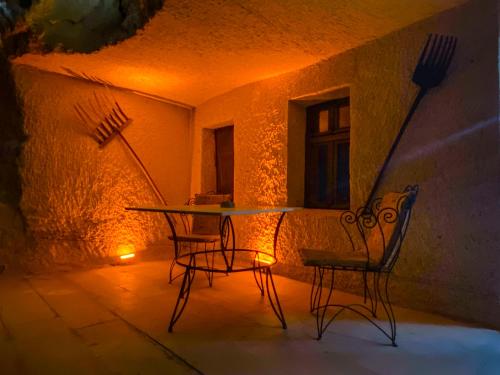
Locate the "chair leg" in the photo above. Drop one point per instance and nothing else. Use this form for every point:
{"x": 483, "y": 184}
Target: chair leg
{"x": 314, "y": 291}
{"x": 213, "y": 260}
{"x": 365, "y": 290}
{"x": 209, "y": 274}
{"x": 386, "y": 303}
{"x": 376, "y": 276}
{"x": 319, "y": 306}
{"x": 322, "y": 326}
{"x": 172, "y": 265}
{"x": 317, "y": 300}
{"x": 373, "y": 305}
{"x": 367, "y": 293}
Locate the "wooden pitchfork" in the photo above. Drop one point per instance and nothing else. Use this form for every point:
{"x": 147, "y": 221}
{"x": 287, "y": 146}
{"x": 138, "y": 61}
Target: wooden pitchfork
{"x": 430, "y": 71}
{"x": 105, "y": 119}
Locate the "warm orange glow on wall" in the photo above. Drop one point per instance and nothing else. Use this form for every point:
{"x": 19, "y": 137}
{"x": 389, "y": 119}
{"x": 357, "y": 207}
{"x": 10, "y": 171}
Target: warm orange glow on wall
{"x": 264, "y": 242}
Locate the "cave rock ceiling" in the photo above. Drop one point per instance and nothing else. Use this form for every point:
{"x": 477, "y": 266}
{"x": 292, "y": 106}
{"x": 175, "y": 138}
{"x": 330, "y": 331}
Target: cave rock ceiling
{"x": 192, "y": 50}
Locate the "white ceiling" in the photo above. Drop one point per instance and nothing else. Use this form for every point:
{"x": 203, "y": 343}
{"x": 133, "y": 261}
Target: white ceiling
{"x": 193, "y": 50}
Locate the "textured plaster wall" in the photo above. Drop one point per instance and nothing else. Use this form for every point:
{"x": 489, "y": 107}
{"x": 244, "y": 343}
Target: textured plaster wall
{"x": 450, "y": 259}
{"x": 74, "y": 193}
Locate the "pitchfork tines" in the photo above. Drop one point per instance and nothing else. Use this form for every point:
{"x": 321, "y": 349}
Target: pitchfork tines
{"x": 434, "y": 60}
{"x": 103, "y": 117}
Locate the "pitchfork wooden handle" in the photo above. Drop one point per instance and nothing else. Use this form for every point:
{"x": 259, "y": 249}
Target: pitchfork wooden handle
{"x": 144, "y": 170}
{"x": 413, "y": 108}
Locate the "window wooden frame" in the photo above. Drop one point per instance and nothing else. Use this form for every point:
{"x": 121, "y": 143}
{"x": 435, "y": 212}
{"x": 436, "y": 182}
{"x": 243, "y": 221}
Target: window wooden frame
{"x": 325, "y": 165}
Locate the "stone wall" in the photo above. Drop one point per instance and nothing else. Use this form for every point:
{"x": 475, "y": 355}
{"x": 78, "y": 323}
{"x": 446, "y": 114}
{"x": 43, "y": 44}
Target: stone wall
{"x": 449, "y": 263}
{"x": 74, "y": 193}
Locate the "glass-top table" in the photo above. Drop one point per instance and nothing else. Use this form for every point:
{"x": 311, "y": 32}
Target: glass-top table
{"x": 234, "y": 259}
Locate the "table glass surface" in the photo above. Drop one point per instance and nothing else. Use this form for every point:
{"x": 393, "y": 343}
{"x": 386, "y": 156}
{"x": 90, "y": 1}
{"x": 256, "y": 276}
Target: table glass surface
{"x": 213, "y": 209}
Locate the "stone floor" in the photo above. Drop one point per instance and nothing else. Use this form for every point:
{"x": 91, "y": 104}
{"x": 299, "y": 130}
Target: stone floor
{"x": 113, "y": 320}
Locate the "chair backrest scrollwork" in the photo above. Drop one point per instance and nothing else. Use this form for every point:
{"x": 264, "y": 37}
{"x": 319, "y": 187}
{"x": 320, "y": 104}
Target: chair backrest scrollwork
{"x": 379, "y": 230}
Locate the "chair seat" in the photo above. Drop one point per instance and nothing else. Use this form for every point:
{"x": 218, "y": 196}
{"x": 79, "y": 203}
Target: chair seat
{"x": 323, "y": 258}
{"x": 201, "y": 238}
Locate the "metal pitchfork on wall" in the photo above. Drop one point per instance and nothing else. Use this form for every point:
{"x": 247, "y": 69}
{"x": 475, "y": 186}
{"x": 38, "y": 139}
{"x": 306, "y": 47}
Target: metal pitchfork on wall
{"x": 106, "y": 119}
{"x": 430, "y": 71}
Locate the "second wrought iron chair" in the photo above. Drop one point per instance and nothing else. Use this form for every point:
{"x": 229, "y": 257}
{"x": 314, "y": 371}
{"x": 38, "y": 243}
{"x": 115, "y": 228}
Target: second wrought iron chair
{"x": 199, "y": 231}
{"x": 375, "y": 236}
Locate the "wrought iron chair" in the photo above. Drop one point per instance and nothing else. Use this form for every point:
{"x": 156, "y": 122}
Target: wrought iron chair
{"x": 375, "y": 236}
{"x": 199, "y": 231}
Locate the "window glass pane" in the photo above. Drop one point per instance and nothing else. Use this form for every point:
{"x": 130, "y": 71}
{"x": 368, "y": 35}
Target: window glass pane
{"x": 342, "y": 193}
{"x": 323, "y": 121}
{"x": 318, "y": 175}
{"x": 322, "y": 186}
{"x": 344, "y": 117}
{"x": 327, "y": 159}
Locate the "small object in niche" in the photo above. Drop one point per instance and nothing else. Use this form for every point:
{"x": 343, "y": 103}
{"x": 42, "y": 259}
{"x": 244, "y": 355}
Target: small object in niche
{"x": 227, "y": 204}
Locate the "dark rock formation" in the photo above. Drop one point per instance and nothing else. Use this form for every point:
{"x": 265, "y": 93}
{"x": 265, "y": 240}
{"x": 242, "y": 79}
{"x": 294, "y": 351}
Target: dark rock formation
{"x": 11, "y": 139}
{"x": 83, "y": 26}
